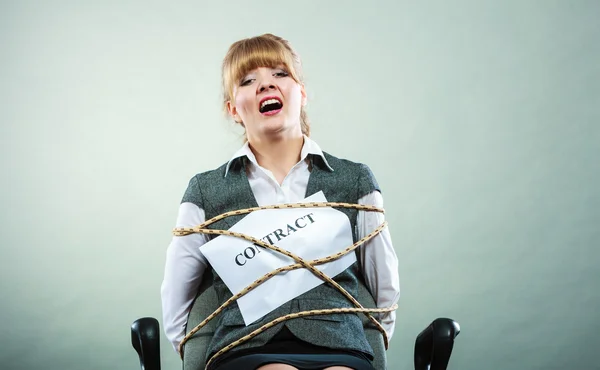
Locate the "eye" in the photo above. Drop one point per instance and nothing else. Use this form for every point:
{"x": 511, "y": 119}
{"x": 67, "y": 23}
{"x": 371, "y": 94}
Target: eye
{"x": 246, "y": 82}
{"x": 281, "y": 74}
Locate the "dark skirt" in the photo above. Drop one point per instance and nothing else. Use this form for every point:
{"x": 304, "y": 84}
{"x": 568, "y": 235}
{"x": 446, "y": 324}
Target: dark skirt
{"x": 300, "y": 361}
{"x": 285, "y": 348}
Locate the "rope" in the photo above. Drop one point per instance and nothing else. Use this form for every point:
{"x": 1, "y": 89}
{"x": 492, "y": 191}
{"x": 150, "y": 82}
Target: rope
{"x": 310, "y": 265}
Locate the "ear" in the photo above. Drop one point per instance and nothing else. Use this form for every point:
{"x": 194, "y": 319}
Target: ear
{"x": 303, "y": 92}
{"x": 233, "y": 112}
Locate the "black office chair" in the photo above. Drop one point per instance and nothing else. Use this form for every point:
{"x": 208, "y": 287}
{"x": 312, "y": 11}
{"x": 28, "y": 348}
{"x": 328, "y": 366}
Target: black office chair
{"x": 433, "y": 345}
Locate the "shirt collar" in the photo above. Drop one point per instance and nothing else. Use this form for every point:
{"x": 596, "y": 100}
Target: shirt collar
{"x": 310, "y": 147}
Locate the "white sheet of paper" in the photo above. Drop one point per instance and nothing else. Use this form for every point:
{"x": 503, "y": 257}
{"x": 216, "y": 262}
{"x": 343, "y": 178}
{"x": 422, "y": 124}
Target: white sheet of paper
{"x": 310, "y": 233}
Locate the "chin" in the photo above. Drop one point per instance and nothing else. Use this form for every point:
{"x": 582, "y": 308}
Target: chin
{"x": 274, "y": 125}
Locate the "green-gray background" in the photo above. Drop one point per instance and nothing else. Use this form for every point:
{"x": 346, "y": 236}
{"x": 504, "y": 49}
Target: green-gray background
{"x": 479, "y": 119}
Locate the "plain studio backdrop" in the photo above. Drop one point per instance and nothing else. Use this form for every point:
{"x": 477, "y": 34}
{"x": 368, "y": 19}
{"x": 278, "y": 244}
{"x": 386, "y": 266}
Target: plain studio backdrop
{"x": 479, "y": 119}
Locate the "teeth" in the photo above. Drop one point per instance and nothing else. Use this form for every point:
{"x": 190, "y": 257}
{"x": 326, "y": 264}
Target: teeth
{"x": 269, "y": 101}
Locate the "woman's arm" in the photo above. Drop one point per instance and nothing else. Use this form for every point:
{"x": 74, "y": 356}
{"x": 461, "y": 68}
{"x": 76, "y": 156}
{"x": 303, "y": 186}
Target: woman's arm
{"x": 184, "y": 268}
{"x": 379, "y": 260}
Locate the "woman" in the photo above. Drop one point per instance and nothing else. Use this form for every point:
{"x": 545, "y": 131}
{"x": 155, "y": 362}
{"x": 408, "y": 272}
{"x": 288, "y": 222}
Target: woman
{"x": 263, "y": 92}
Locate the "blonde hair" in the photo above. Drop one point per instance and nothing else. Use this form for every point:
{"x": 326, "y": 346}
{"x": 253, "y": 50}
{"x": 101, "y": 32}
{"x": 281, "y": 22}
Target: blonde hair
{"x": 261, "y": 51}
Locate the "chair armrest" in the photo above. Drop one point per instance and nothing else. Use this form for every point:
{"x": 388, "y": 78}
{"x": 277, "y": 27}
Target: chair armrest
{"x": 433, "y": 345}
{"x": 145, "y": 338}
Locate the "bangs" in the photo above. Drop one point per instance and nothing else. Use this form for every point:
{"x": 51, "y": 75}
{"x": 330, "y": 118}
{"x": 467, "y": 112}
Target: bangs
{"x": 249, "y": 54}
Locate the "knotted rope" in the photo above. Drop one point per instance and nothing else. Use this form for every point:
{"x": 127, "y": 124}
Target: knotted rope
{"x": 301, "y": 263}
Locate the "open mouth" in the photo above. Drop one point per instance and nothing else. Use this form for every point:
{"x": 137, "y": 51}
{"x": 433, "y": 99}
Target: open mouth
{"x": 270, "y": 105}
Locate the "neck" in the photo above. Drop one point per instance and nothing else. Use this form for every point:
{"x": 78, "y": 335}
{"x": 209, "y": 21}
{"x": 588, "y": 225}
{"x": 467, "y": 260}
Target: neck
{"x": 278, "y": 155}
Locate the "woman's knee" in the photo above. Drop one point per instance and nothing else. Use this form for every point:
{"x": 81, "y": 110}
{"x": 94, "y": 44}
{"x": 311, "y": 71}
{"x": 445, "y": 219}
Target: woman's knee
{"x": 277, "y": 367}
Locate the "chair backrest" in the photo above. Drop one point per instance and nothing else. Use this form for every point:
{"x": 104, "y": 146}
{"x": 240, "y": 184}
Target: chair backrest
{"x": 194, "y": 357}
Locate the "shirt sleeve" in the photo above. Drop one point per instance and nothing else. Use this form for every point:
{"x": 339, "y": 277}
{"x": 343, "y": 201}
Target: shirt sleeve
{"x": 379, "y": 261}
{"x": 184, "y": 268}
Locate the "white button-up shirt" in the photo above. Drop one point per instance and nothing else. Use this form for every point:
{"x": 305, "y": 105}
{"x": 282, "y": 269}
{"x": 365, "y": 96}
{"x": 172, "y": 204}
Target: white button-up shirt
{"x": 185, "y": 264}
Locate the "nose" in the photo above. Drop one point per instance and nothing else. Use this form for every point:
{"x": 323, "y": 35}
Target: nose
{"x": 266, "y": 85}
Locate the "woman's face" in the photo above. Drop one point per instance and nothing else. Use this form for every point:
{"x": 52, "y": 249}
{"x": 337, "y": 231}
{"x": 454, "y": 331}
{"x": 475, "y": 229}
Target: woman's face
{"x": 267, "y": 101}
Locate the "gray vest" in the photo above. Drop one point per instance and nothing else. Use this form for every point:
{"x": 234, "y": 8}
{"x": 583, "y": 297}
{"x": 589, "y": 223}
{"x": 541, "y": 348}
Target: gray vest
{"x": 216, "y": 193}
